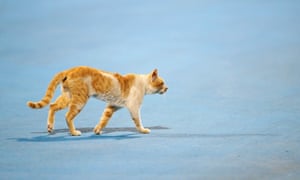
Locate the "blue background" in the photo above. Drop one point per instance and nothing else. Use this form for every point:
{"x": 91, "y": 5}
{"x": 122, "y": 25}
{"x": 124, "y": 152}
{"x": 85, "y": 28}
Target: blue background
{"x": 233, "y": 106}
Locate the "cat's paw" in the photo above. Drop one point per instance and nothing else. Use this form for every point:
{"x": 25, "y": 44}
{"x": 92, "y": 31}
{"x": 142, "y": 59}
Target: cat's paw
{"x": 145, "y": 130}
{"x": 97, "y": 130}
{"x": 50, "y": 128}
{"x": 76, "y": 133}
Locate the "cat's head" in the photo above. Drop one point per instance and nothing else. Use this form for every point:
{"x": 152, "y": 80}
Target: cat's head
{"x": 156, "y": 83}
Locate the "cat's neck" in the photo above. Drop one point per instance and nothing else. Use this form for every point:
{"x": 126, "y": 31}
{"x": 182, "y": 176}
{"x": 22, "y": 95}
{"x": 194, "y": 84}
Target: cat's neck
{"x": 144, "y": 82}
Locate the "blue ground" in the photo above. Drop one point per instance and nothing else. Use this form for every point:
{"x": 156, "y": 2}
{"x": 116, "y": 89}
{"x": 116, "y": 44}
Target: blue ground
{"x": 233, "y": 106}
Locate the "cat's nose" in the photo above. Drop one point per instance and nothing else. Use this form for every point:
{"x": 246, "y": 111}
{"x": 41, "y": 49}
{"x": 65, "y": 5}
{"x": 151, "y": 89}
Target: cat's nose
{"x": 166, "y": 88}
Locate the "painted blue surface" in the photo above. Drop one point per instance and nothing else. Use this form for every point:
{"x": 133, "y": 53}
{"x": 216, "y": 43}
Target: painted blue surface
{"x": 233, "y": 106}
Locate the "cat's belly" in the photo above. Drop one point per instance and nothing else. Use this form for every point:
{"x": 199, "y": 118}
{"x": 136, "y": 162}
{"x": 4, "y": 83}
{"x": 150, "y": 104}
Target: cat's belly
{"x": 111, "y": 99}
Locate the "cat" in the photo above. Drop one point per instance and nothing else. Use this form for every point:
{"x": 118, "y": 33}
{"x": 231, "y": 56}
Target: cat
{"x": 80, "y": 83}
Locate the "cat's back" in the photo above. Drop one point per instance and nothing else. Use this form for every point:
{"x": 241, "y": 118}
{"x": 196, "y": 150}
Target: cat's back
{"x": 82, "y": 71}
{"x": 96, "y": 81}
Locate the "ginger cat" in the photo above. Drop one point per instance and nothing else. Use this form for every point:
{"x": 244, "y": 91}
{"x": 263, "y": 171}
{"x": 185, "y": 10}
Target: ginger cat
{"x": 81, "y": 83}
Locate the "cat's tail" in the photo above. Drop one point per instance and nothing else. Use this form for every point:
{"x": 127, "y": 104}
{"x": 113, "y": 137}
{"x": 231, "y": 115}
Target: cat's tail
{"x": 49, "y": 93}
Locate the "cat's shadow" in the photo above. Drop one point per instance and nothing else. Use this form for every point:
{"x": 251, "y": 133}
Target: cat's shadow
{"x": 106, "y": 134}
{"x": 124, "y": 133}
{"x": 106, "y": 130}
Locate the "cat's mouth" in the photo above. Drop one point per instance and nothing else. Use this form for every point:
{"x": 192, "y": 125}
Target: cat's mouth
{"x": 162, "y": 91}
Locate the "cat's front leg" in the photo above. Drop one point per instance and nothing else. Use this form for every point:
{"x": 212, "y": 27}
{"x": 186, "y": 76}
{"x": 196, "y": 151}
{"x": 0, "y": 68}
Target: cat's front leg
{"x": 107, "y": 114}
{"x": 135, "y": 115}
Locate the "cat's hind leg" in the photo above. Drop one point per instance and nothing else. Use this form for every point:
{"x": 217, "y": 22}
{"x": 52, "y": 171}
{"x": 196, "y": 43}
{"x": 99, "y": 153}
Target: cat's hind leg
{"x": 78, "y": 100}
{"x": 60, "y": 103}
{"x": 107, "y": 114}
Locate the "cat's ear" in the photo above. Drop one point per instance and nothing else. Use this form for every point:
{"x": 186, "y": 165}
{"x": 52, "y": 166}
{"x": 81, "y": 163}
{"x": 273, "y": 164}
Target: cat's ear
{"x": 154, "y": 75}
